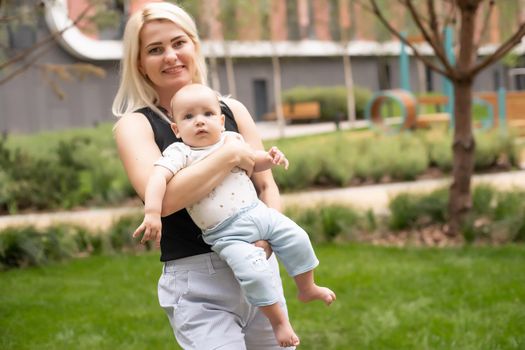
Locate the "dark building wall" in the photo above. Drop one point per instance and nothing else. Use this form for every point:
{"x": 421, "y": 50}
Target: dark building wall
{"x": 28, "y": 103}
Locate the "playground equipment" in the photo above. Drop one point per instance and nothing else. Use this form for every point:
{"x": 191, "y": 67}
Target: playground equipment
{"x": 509, "y": 107}
{"x": 411, "y": 107}
{"x": 403, "y": 98}
{"x": 502, "y": 108}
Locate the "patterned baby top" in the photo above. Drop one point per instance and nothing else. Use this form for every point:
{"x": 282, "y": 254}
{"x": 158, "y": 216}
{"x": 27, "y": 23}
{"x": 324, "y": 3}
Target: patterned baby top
{"x": 233, "y": 194}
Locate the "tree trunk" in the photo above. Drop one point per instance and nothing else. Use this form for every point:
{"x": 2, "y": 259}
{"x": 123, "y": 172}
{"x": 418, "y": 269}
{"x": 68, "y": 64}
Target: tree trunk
{"x": 463, "y": 145}
{"x": 463, "y": 148}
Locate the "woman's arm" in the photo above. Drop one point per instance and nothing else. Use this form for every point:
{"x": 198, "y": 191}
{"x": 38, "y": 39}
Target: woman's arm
{"x": 138, "y": 152}
{"x": 263, "y": 181}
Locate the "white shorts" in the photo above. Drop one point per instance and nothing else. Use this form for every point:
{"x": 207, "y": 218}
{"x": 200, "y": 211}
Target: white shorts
{"x": 207, "y": 308}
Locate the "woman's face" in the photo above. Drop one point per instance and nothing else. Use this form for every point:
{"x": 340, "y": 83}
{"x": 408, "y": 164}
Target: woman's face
{"x": 167, "y": 55}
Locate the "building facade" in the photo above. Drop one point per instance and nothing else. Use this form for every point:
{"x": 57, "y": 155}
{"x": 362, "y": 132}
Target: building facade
{"x": 306, "y": 35}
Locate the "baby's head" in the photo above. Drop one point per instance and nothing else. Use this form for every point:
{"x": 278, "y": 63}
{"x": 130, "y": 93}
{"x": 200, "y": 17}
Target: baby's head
{"x": 197, "y": 116}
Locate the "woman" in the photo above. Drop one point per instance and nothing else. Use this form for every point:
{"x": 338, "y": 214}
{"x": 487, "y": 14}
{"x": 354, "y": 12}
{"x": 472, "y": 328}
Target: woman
{"x": 199, "y": 293}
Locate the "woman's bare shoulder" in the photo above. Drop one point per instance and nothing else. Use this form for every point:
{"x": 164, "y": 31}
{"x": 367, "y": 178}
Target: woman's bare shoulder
{"x": 234, "y": 104}
{"x": 136, "y": 122}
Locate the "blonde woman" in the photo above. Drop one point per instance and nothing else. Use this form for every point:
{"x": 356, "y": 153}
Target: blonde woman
{"x": 198, "y": 291}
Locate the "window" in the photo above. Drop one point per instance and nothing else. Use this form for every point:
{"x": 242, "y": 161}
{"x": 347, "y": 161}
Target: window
{"x": 260, "y": 91}
{"x": 384, "y": 74}
{"x": 429, "y": 82}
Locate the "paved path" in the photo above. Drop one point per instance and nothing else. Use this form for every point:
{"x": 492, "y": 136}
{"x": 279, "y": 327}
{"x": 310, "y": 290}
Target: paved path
{"x": 375, "y": 197}
{"x": 270, "y": 130}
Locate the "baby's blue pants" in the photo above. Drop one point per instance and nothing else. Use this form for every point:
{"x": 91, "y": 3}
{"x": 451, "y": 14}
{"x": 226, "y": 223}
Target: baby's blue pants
{"x": 232, "y": 240}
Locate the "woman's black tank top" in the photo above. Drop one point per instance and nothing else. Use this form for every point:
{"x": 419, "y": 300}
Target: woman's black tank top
{"x": 180, "y": 236}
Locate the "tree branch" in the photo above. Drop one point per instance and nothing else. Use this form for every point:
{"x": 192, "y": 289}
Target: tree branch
{"x": 434, "y": 23}
{"x": 451, "y": 17}
{"x": 483, "y": 31}
{"x": 501, "y": 51}
{"x": 6, "y": 19}
{"x": 436, "y": 46}
{"x": 44, "y": 41}
{"x": 23, "y": 67}
{"x": 395, "y": 32}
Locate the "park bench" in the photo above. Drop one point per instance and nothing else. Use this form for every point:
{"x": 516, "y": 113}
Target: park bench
{"x": 432, "y": 119}
{"x": 439, "y": 101}
{"x": 298, "y": 111}
{"x": 426, "y": 120}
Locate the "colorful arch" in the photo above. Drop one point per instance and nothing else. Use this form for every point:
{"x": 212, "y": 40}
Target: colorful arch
{"x": 404, "y": 99}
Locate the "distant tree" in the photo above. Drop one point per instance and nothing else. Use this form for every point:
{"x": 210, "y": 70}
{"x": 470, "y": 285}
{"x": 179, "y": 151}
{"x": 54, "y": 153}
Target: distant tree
{"x": 19, "y": 21}
{"x": 469, "y": 23}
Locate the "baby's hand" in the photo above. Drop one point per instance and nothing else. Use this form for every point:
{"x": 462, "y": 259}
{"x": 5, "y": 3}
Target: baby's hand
{"x": 152, "y": 228}
{"x": 277, "y": 157}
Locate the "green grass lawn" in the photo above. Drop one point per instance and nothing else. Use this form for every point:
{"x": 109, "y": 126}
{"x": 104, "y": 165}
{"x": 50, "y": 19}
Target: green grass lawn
{"x": 388, "y": 298}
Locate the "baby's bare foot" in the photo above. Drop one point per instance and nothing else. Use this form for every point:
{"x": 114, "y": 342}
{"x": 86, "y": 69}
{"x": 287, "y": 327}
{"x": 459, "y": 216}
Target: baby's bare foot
{"x": 317, "y": 293}
{"x": 285, "y": 335}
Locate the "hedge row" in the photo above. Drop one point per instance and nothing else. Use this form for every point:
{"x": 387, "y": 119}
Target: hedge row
{"x": 82, "y": 168}
{"x": 496, "y": 217}
{"x": 347, "y": 158}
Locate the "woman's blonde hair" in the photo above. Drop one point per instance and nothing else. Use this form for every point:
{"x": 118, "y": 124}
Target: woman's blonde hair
{"x": 135, "y": 91}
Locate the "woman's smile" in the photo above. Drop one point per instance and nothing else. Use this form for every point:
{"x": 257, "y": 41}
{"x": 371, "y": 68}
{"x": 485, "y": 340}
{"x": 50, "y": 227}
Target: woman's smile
{"x": 173, "y": 69}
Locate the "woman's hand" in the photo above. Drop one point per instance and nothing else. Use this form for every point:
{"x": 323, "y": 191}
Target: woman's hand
{"x": 243, "y": 151}
{"x": 266, "y": 246}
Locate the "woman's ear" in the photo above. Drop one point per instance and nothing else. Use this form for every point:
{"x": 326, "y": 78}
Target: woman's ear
{"x": 222, "y": 122}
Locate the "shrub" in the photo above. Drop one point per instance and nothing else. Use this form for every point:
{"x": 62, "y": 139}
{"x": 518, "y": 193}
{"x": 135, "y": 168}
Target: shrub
{"x": 81, "y": 167}
{"x": 517, "y": 228}
{"x": 440, "y": 151}
{"x": 337, "y": 158}
{"x": 326, "y": 223}
{"x": 29, "y": 246}
{"x": 489, "y": 148}
{"x": 409, "y": 210}
{"x": 399, "y": 157}
{"x": 73, "y": 171}
{"x": 473, "y": 229}
{"x": 403, "y": 213}
{"x": 40, "y": 183}
{"x": 305, "y": 166}
{"x": 120, "y": 235}
{"x": 508, "y": 205}
{"x": 483, "y": 197}
{"x": 434, "y": 205}
{"x": 337, "y": 220}
{"x": 21, "y": 247}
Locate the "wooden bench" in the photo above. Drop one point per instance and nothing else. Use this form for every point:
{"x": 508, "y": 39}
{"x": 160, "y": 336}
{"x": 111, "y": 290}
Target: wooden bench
{"x": 428, "y": 120}
{"x": 438, "y": 101}
{"x": 515, "y": 109}
{"x": 298, "y": 111}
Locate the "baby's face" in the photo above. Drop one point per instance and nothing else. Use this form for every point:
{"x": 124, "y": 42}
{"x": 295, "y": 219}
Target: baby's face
{"x": 197, "y": 115}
